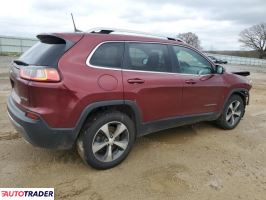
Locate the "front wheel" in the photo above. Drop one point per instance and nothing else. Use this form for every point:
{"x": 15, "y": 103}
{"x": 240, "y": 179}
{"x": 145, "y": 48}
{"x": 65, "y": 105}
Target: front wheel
{"x": 106, "y": 139}
{"x": 233, "y": 112}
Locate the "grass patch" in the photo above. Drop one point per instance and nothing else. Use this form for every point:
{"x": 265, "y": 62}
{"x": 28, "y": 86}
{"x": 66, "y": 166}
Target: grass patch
{"x": 13, "y": 54}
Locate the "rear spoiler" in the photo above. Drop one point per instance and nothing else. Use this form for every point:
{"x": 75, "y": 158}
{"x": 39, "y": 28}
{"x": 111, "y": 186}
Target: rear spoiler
{"x": 67, "y": 39}
{"x": 244, "y": 73}
{"x": 74, "y": 37}
{"x": 51, "y": 39}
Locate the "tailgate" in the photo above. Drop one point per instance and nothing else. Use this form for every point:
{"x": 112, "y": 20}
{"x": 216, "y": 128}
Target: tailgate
{"x": 45, "y": 53}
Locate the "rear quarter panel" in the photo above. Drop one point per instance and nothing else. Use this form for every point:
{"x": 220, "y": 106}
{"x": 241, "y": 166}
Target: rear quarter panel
{"x": 79, "y": 86}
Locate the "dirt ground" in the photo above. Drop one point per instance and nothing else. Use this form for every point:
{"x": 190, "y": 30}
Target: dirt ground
{"x": 199, "y": 161}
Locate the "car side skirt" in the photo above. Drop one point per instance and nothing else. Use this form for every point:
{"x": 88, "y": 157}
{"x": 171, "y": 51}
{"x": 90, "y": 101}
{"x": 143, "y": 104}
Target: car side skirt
{"x": 173, "y": 122}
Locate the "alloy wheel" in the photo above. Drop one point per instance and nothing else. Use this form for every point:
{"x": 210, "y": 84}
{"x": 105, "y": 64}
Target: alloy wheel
{"x": 110, "y": 141}
{"x": 233, "y": 113}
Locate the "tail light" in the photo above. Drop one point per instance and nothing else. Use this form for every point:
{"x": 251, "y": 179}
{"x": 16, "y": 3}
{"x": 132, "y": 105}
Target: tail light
{"x": 39, "y": 74}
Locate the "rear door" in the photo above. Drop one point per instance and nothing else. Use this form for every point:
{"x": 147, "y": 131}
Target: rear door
{"x": 202, "y": 88}
{"x": 149, "y": 81}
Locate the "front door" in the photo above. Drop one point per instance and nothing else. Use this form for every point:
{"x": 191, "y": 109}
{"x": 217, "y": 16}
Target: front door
{"x": 202, "y": 88}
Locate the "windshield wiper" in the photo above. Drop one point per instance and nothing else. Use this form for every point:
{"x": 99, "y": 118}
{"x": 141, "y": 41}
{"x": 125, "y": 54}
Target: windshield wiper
{"x": 19, "y": 62}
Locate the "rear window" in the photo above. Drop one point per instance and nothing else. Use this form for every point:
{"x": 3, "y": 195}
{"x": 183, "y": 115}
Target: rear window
{"x": 108, "y": 55}
{"x": 44, "y": 54}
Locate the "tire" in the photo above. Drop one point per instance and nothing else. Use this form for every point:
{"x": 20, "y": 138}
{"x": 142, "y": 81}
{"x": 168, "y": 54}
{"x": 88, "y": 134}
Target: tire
{"x": 106, "y": 139}
{"x": 233, "y": 112}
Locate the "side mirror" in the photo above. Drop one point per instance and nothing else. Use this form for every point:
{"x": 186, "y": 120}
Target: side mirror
{"x": 219, "y": 69}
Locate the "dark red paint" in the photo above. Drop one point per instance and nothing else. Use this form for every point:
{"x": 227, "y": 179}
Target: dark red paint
{"x": 158, "y": 95}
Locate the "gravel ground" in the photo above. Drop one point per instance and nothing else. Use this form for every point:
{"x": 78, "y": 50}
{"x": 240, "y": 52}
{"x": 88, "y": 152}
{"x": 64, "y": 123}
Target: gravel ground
{"x": 198, "y": 161}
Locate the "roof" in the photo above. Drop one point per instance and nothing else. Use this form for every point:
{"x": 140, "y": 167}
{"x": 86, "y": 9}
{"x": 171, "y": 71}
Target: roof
{"x": 124, "y": 34}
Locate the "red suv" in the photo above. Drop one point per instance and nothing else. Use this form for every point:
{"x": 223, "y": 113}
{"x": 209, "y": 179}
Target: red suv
{"x": 102, "y": 89}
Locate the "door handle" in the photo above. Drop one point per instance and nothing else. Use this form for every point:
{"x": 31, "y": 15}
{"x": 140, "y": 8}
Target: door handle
{"x": 135, "y": 81}
{"x": 190, "y": 81}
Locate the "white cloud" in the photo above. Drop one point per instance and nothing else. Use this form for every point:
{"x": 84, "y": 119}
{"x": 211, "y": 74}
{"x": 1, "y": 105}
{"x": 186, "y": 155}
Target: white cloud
{"x": 217, "y": 23}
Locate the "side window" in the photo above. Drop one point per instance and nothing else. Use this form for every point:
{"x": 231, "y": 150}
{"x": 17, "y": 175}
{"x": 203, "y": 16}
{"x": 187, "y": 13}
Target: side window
{"x": 108, "y": 55}
{"x": 148, "y": 57}
{"x": 191, "y": 62}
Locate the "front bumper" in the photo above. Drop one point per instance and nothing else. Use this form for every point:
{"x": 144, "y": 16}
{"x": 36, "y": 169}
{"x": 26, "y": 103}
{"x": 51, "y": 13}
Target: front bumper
{"x": 38, "y": 133}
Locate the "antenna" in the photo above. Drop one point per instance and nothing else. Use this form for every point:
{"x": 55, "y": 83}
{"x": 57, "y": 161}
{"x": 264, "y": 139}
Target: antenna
{"x": 75, "y": 29}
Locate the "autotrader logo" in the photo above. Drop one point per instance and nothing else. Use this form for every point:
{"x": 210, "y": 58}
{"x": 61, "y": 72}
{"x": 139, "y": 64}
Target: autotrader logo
{"x": 27, "y": 193}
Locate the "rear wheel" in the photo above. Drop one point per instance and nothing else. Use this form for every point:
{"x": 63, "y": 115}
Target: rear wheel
{"x": 232, "y": 113}
{"x": 106, "y": 139}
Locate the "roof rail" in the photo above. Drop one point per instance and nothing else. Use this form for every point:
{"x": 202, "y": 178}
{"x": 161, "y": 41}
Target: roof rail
{"x": 104, "y": 30}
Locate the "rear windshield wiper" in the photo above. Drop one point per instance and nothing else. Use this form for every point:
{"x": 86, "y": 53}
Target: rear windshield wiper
{"x": 19, "y": 62}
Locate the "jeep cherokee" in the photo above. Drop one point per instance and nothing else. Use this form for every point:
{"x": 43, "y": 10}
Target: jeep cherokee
{"x": 99, "y": 90}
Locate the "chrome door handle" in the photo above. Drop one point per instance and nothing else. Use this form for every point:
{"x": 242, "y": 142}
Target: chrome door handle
{"x": 190, "y": 81}
{"x": 135, "y": 81}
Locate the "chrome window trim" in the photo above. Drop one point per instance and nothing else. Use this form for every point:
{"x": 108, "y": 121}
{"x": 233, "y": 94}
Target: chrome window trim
{"x": 93, "y": 51}
{"x": 132, "y": 70}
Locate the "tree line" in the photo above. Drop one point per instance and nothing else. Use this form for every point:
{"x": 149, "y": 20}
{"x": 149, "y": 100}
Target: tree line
{"x": 253, "y": 38}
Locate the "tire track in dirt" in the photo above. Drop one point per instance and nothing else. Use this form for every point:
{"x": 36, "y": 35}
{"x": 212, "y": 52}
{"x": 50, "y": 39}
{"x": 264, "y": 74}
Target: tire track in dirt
{"x": 75, "y": 188}
{"x": 70, "y": 189}
{"x": 167, "y": 180}
{"x": 9, "y": 136}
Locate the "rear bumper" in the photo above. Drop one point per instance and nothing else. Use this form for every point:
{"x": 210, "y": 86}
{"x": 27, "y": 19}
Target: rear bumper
{"x": 38, "y": 133}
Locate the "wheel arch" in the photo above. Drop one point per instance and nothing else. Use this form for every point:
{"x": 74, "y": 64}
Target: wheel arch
{"x": 125, "y": 106}
{"x": 242, "y": 92}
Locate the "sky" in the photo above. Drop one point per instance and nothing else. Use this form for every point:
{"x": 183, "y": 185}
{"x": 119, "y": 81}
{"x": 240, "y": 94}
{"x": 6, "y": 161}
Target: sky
{"x": 216, "y": 22}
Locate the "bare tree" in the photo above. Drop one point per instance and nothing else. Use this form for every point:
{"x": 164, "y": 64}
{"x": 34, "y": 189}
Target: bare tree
{"x": 255, "y": 38}
{"x": 191, "y": 39}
